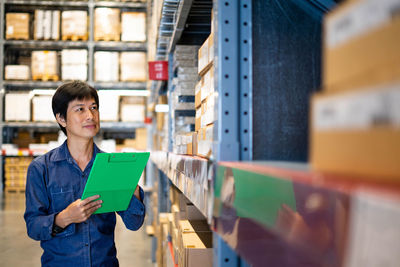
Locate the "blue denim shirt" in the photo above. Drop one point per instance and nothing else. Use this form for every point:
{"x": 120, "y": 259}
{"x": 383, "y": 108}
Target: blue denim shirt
{"x": 54, "y": 181}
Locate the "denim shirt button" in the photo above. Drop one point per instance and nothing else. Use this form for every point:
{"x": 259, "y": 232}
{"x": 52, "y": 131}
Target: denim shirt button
{"x": 86, "y": 244}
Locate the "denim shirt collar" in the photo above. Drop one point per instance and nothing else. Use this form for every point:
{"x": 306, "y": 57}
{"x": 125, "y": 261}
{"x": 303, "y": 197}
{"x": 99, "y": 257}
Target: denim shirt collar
{"x": 62, "y": 153}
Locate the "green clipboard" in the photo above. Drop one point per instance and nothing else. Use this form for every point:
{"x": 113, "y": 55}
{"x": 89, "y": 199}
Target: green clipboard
{"x": 114, "y": 176}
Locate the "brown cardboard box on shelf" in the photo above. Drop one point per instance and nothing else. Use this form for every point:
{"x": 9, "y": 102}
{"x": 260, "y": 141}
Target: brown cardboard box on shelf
{"x": 356, "y": 133}
{"x": 359, "y": 52}
{"x": 195, "y": 247}
{"x": 17, "y": 72}
{"x": 133, "y": 66}
{"x": 44, "y": 64}
{"x": 133, "y": 34}
{"x": 107, "y": 24}
{"x": 74, "y": 24}
{"x": 17, "y": 26}
{"x": 203, "y": 57}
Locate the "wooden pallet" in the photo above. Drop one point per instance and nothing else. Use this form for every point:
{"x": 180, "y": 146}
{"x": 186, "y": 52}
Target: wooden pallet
{"x": 21, "y": 37}
{"x": 45, "y": 77}
{"x": 74, "y": 38}
{"x": 14, "y": 189}
{"x": 108, "y": 38}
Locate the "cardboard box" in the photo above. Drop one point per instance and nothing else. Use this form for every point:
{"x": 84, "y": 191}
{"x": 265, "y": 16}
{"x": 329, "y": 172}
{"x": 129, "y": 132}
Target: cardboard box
{"x": 107, "y": 25}
{"x": 141, "y": 139}
{"x": 359, "y": 52}
{"x": 74, "y": 23}
{"x": 109, "y": 105}
{"x": 196, "y": 249}
{"x": 106, "y": 66}
{"x": 74, "y": 72}
{"x": 357, "y": 133}
{"x": 203, "y": 57}
{"x": 211, "y": 48}
{"x": 133, "y": 66}
{"x": 192, "y": 213}
{"x": 41, "y": 108}
{"x": 44, "y": 63}
{"x": 18, "y": 106}
{"x": 133, "y": 34}
{"x": 17, "y": 26}
{"x": 17, "y": 72}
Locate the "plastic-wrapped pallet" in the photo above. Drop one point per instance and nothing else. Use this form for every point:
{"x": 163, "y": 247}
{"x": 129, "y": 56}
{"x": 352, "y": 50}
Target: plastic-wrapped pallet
{"x": 106, "y": 66}
{"x": 74, "y": 25}
{"x": 133, "y": 34}
{"x": 17, "y": 72}
{"x": 107, "y": 25}
{"x": 44, "y": 65}
{"x": 74, "y": 64}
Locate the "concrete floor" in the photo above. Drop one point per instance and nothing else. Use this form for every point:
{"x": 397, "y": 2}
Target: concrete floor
{"x": 17, "y": 249}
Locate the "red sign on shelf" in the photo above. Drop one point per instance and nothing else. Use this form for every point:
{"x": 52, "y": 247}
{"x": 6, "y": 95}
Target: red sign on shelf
{"x": 158, "y": 70}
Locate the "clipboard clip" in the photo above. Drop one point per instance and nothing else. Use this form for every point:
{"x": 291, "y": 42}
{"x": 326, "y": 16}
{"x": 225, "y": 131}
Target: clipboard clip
{"x": 122, "y": 157}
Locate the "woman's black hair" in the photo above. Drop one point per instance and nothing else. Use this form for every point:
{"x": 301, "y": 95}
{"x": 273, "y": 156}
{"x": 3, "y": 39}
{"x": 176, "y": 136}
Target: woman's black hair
{"x": 68, "y": 92}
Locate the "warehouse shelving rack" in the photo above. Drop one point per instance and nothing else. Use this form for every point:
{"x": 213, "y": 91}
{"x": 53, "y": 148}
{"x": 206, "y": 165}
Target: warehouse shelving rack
{"x": 8, "y": 127}
{"x": 267, "y": 64}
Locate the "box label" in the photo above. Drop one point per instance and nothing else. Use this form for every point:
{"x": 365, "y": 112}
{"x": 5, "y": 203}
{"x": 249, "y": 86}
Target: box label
{"x": 359, "y": 19}
{"x": 358, "y": 110}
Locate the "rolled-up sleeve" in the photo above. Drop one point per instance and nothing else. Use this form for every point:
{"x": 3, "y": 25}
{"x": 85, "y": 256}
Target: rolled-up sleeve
{"x": 133, "y": 217}
{"x": 39, "y": 222}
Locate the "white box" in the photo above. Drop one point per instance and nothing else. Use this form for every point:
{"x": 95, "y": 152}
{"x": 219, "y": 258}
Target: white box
{"x": 18, "y": 107}
{"x": 55, "y": 25}
{"x": 17, "y": 72}
{"x": 106, "y": 66}
{"x": 74, "y": 56}
{"x": 41, "y": 108}
{"x": 47, "y": 24}
{"x": 133, "y": 66}
{"x": 38, "y": 31}
{"x": 137, "y": 33}
{"x": 109, "y": 105}
{"x": 74, "y": 72}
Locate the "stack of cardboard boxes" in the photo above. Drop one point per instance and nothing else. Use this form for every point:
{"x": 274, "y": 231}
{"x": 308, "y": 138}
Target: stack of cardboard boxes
{"x": 184, "y": 237}
{"x": 182, "y": 99}
{"x": 44, "y": 65}
{"x": 107, "y": 25}
{"x": 356, "y": 119}
{"x": 205, "y": 99}
{"x": 106, "y": 67}
{"x": 74, "y": 25}
{"x": 15, "y": 169}
{"x": 17, "y": 26}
